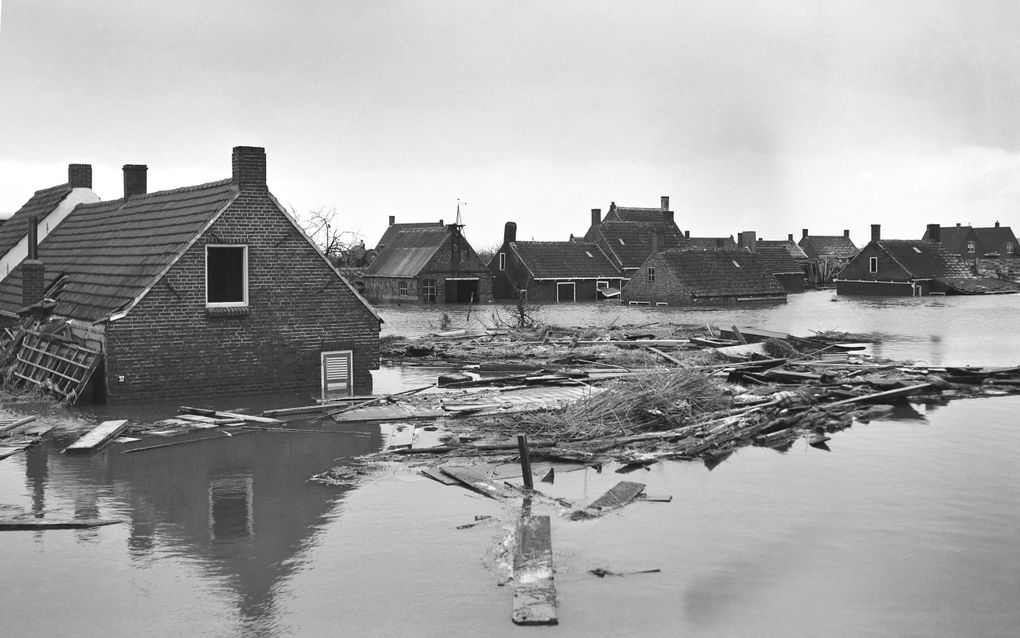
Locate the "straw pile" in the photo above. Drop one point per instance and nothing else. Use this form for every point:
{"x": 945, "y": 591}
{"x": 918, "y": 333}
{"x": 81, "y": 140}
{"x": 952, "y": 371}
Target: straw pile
{"x": 655, "y": 400}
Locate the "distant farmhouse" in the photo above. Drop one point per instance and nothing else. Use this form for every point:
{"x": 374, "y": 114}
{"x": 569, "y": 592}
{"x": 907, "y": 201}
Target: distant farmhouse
{"x": 974, "y": 243}
{"x": 197, "y": 291}
{"x": 827, "y": 255}
{"x": 427, "y": 262}
{"x": 777, "y": 257}
{"x": 628, "y": 235}
{"x": 690, "y": 276}
{"x": 908, "y": 267}
{"x": 552, "y": 271}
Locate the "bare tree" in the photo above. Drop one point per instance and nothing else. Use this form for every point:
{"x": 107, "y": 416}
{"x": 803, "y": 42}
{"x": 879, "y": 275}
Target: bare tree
{"x": 342, "y": 247}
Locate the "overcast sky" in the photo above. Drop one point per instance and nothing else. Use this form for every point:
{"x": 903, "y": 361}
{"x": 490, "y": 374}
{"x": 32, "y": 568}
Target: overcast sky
{"x": 769, "y": 116}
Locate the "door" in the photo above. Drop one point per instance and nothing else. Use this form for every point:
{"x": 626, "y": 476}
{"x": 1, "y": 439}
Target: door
{"x": 337, "y": 373}
{"x": 565, "y": 291}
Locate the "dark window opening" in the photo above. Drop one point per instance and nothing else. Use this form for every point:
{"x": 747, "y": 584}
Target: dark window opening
{"x": 226, "y": 275}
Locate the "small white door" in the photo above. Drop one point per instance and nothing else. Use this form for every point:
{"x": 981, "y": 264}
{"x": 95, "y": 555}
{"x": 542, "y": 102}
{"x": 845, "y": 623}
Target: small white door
{"x": 337, "y": 373}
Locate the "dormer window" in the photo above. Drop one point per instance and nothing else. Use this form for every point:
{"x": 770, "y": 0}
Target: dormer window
{"x": 971, "y": 248}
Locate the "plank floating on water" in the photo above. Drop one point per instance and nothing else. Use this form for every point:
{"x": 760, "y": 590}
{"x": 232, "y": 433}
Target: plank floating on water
{"x": 888, "y": 396}
{"x": 6, "y": 451}
{"x": 436, "y": 475}
{"x": 98, "y": 436}
{"x": 534, "y": 593}
{"x": 10, "y": 424}
{"x": 619, "y": 495}
{"x": 475, "y": 480}
{"x": 18, "y": 524}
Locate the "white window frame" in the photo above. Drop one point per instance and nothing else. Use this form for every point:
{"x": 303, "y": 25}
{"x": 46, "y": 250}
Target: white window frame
{"x": 1009, "y": 248}
{"x": 244, "y": 293}
{"x": 873, "y": 265}
{"x": 329, "y": 383}
{"x": 502, "y": 261}
{"x": 971, "y": 247}
{"x": 573, "y": 290}
{"x": 601, "y": 284}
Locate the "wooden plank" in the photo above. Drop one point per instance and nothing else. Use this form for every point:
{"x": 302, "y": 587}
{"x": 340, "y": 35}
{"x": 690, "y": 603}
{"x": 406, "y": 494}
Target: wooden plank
{"x": 637, "y": 342}
{"x": 534, "y": 592}
{"x": 888, "y": 396}
{"x": 619, "y": 495}
{"x": 20, "y": 524}
{"x": 6, "y": 451}
{"x": 742, "y": 351}
{"x": 401, "y": 436}
{"x": 476, "y": 481}
{"x": 663, "y": 355}
{"x": 436, "y": 475}
{"x": 220, "y": 414}
{"x": 99, "y": 435}
{"x": 10, "y": 424}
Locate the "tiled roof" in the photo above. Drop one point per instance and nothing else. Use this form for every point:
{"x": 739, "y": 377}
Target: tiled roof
{"x": 791, "y": 247}
{"x": 565, "y": 260}
{"x": 405, "y": 249}
{"x": 630, "y": 243}
{"x": 923, "y": 259}
{"x": 711, "y": 243}
{"x": 776, "y": 258}
{"x": 722, "y": 273}
{"x": 994, "y": 239}
{"x": 832, "y": 246}
{"x": 954, "y": 238}
{"x": 638, "y": 215}
{"x": 40, "y": 205}
{"x": 112, "y": 251}
{"x": 980, "y": 285}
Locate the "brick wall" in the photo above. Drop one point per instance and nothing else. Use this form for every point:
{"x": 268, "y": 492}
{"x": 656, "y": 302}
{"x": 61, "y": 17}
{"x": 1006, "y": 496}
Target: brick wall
{"x": 168, "y": 348}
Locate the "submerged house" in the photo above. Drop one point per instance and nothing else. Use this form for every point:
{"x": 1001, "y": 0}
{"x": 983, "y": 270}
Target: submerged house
{"x": 778, "y": 258}
{"x": 689, "y": 276}
{"x": 826, "y": 255}
{"x": 975, "y": 243}
{"x": 628, "y": 235}
{"x": 552, "y": 271}
{"x": 197, "y": 291}
{"x": 909, "y": 267}
{"x": 429, "y": 262}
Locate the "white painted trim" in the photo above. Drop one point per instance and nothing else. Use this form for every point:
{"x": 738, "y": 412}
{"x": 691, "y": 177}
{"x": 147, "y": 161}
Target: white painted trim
{"x": 573, "y": 288}
{"x": 461, "y": 279}
{"x": 579, "y": 278}
{"x": 244, "y": 275}
{"x": 19, "y": 252}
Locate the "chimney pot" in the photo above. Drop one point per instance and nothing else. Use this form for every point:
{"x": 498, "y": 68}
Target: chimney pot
{"x": 803, "y": 233}
{"x": 135, "y": 180}
{"x": 957, "y": 224}
{"x": 249, "y": 167}
{"x": 996, "y": 223}
{"x": 393, "y": 219}
{"x": 509, "y": 232}
{"x": 876, "y": 232}
{"x": 664, "y": 202}
{"x": 596, "y": 216}
{"x": 79, "y": 175}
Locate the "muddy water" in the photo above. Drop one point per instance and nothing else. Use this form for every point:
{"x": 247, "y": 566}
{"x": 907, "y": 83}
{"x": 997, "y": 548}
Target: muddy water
{"x": 907, "y": 528}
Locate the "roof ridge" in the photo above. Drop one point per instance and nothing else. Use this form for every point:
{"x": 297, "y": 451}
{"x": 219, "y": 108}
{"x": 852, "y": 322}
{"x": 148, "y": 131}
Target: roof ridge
{"x": 169, "y": 191}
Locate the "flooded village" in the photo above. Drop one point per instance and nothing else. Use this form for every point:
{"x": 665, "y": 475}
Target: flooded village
{"x": 170, "y": 389}
{"x": 493, "y": 319}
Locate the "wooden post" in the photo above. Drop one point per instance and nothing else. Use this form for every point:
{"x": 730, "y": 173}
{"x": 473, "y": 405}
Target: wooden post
{"x": 522, "y": 445}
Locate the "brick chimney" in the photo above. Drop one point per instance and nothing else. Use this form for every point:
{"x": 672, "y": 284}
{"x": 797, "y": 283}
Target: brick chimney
{"x": 996, "y": 223}
{"x": 135, "y": 181}
{"x": 803, "y": 233}
{"x": 249, "y": 167}
{"x": 664, "y": 202}
{"x": 509, "y": 232}
{"x": 33, "y": 273}
{"x": 846, "y": 233}
{"x": 79, "y": 175}
{"x": 596, "y": 216}
{"x": 687, "y": 234}
{"x": 935, "y": 233}
{"x": 748, "y": 240}
{"x": 789, "y": 237}
{"x": 876, "y": 232}
{"x": 393, "y": 219}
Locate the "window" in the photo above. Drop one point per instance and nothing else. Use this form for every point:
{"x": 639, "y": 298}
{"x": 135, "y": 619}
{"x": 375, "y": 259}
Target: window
{"x": 402, "y": 287}
{"x": 873, "y": 264}
{"x": 601, "y": 284}
{"x": 970, "y": 247}
{"x": 502, "y": 261}
{"x": 650, "y": 274}
{"x": 1009, "y": 248}
{"x": 226, "y": 276}
{"x": 428, "y": 290}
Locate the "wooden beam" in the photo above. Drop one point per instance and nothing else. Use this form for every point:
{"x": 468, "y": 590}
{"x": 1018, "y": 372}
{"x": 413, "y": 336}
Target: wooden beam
{"x": 534, "y": 593}
{"x": 16, "y": 524}
{"x": 98, "y": 436}
{"x": 476, "y": 481}
{"x": 619, "y": 495}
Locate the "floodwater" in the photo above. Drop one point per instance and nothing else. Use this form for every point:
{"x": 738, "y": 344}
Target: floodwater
{"x": 910, "y": 526}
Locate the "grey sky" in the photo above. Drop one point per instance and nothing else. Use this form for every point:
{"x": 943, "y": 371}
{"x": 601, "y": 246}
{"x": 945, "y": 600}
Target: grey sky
{"x": 768, "y": 116}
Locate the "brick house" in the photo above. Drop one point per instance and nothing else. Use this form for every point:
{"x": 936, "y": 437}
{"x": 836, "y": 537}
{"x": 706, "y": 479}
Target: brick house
{"x": 628, "y": 235}
{"x": 693, "y": 277}
{"x": 975, "y": 243}
{"x": 426, "y": 263}
{"x": 910, "y": 267}
{"x": 552, "y": 271}
{"x": 205, "y": 290}
{"x": 777, "y": 257}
